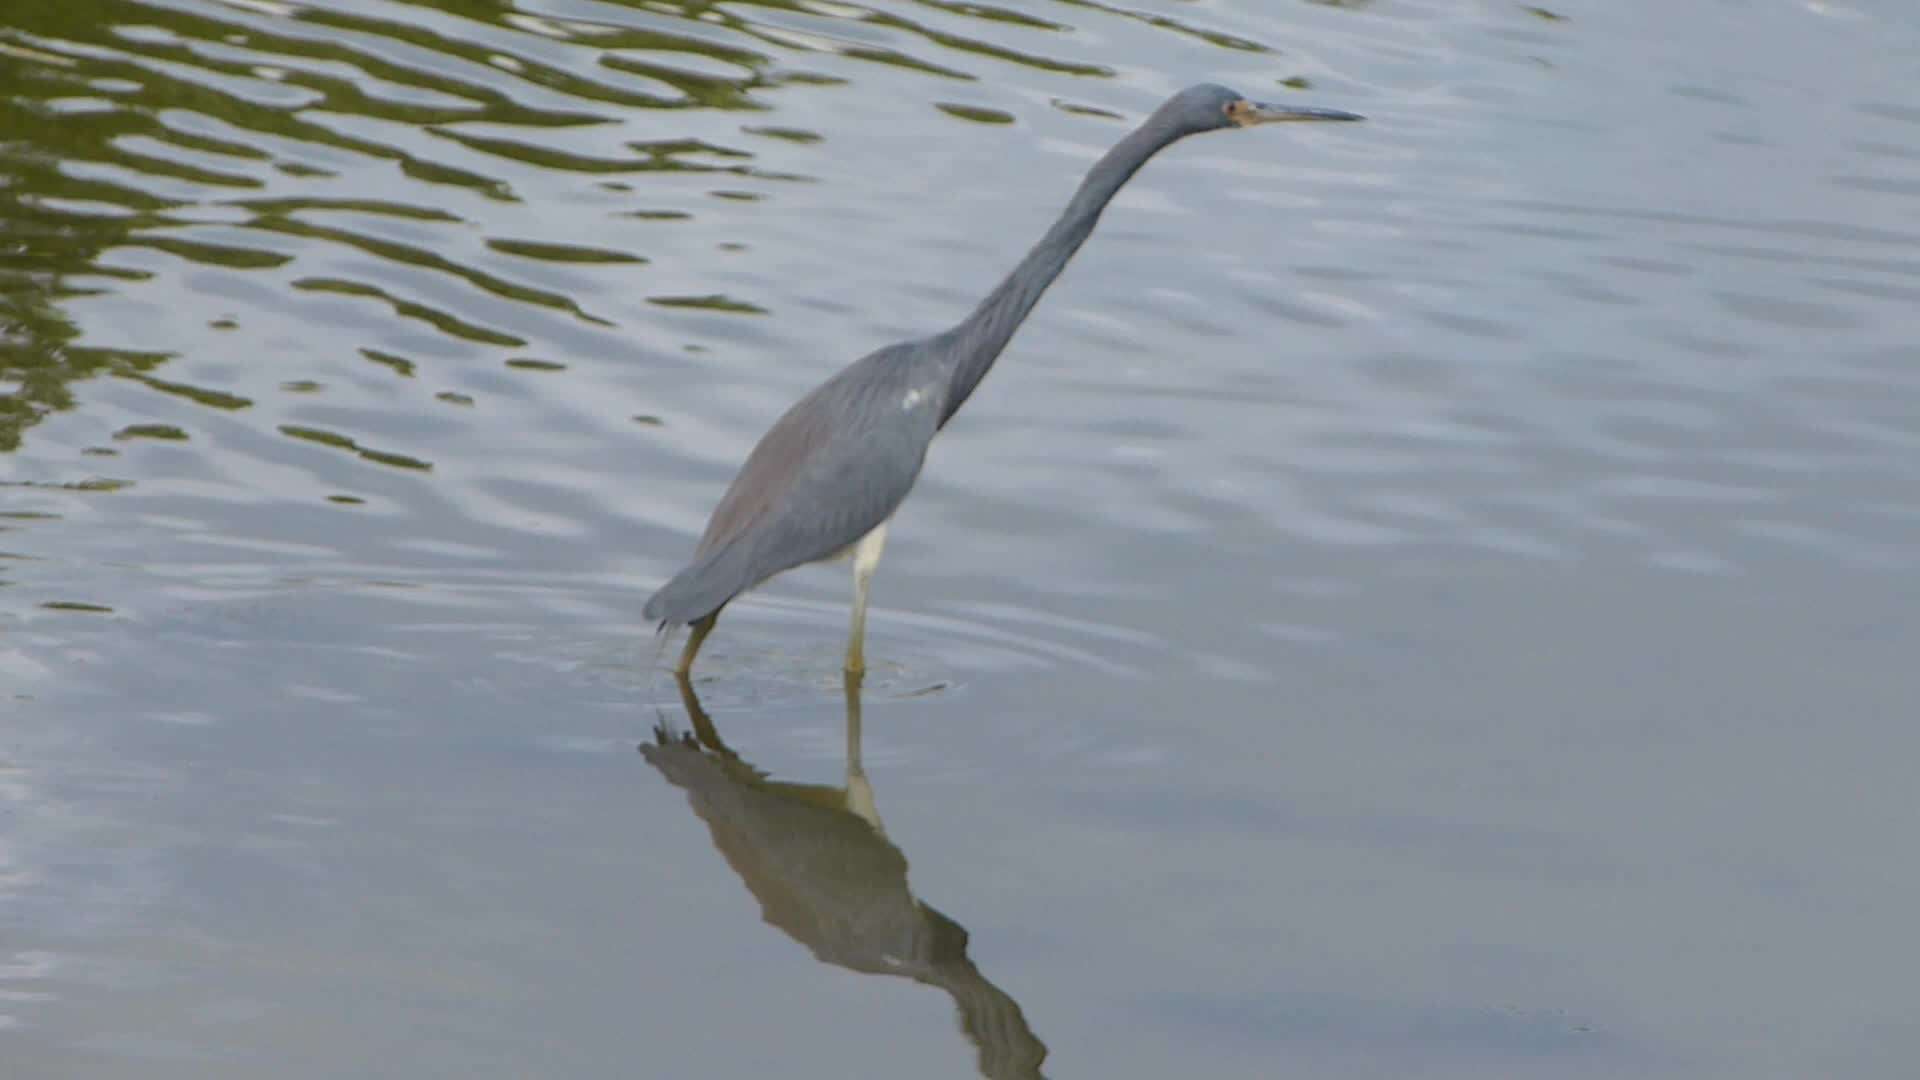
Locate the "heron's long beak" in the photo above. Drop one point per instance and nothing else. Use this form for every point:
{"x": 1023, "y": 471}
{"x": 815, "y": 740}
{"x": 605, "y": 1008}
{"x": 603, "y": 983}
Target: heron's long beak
{"x": 1249, "y": 113}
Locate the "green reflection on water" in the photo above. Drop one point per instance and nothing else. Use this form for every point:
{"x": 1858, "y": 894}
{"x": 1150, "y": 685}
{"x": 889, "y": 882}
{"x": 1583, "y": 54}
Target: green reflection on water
{"x": 562, "y": 253}
{"x": 975, "y": 113}
{"x": 142, "y": 142}
{"x": 151, "y": 431}
{"x": 423, "y": 259}
{"x": 715, "y": 302}
{"x": 439, "y": 320}
{"x": 1178, "y": 26}
{"x": 400, "y": 365}
{"x": 342, "y": 442}
{"x": 213, "y": 399}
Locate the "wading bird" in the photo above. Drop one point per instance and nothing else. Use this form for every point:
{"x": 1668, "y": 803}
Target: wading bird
{"x": 826, "y": 478}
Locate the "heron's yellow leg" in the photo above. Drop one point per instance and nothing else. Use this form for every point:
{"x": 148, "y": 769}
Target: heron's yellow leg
{"x": 866, "y": 557}
{"x": 701, "y": 628}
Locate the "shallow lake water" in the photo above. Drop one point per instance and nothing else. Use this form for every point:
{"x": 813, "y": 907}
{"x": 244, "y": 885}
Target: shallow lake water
{"x": 1432, "y": 597}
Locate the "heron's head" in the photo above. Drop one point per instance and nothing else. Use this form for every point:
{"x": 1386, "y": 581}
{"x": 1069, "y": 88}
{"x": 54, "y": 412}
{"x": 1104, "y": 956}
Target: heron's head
{"x": 1209, "y": 108}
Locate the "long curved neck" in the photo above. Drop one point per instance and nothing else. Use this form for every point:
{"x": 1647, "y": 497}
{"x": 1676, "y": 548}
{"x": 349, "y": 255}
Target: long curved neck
{"x": 977, "y": 341}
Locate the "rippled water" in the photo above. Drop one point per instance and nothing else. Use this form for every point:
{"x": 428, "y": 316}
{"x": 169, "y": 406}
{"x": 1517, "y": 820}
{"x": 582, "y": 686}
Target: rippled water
{"x": 1432, "y": 597}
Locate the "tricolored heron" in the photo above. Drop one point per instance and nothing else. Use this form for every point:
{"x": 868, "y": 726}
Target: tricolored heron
{"x": 826, "y": 478}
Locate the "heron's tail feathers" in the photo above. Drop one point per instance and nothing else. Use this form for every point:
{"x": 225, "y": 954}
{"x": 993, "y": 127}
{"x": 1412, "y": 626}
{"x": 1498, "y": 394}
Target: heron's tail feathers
{"x": 703, "y": 588}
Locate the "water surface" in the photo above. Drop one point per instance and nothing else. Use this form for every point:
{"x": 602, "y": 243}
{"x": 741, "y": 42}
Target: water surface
{"x": 1427, "y": 597}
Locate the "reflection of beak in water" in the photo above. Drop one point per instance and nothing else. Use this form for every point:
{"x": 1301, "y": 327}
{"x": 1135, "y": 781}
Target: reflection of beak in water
{"x": 824, "y": 872}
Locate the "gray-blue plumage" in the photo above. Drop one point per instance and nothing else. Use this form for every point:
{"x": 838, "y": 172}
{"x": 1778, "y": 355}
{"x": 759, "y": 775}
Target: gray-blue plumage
{"x": 828, "y": 472}
{"x": 835, "y": 467}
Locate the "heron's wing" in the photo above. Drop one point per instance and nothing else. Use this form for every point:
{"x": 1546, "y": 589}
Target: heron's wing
{"x": 850, "y": 482}
{"x": 769, "y": 471}
{"x": 837, "y": 465}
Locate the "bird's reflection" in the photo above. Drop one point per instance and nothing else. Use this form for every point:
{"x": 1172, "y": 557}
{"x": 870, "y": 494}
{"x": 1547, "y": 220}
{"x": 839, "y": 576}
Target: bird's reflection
{"x": 819, "y": 861}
